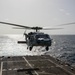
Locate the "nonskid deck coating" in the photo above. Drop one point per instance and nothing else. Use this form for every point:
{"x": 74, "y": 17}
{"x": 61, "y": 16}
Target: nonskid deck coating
{"x": 34, "y": 65}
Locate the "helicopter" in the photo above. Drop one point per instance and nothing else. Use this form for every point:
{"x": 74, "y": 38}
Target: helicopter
{"x": 36, "y": 38}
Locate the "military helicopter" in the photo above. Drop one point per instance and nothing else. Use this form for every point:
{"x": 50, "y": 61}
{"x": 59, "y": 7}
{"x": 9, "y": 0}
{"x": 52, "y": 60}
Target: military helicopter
{"x": 36, "y": 38}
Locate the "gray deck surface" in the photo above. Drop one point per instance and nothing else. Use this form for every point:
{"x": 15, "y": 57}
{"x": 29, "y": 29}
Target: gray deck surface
{"x": 34, "y": 65}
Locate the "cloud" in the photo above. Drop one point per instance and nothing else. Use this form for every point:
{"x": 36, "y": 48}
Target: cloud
{"x": 64, "y": 11}
{"x": 67, "y": 14}
{"x": 55, "y": 19}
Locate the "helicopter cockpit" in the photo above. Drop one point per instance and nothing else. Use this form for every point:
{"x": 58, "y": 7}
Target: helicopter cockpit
{"x": 43, "y": 37}
{"x": 43, "y": 40}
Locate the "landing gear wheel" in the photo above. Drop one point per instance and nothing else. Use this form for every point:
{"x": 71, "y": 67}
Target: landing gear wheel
{"x": 27, "y": 47}
{"x": 30, "y": 48}
{"x": 47, "y": 48}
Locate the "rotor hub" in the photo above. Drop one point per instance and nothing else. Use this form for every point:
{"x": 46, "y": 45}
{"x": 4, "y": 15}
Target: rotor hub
{"x": 37, "y": 28}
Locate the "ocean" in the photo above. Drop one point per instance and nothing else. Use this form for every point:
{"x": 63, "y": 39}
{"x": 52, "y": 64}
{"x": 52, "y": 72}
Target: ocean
{"x": 63, "y": 47}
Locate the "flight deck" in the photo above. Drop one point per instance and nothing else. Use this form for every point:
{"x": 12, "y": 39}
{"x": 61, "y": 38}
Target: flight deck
{"x": 34, "y": 65}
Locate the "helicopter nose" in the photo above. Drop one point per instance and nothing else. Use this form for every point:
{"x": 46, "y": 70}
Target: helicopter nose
{"x": 44, "y": 42}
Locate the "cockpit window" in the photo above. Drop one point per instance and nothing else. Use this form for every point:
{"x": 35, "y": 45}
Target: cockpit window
{"x": 42, "y": 36}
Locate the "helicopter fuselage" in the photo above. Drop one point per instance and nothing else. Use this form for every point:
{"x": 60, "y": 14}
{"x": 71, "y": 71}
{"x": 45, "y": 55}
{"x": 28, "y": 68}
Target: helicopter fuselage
{"x": 38, "y": 39}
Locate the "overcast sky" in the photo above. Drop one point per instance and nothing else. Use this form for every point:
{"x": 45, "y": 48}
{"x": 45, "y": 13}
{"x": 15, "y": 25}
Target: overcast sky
{"x": 44, "y": 13}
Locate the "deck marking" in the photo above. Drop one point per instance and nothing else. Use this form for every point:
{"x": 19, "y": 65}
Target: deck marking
{"x": 61, "y": 67}
{"x": 30, "y": 65}
{"x": 1, "y": 68}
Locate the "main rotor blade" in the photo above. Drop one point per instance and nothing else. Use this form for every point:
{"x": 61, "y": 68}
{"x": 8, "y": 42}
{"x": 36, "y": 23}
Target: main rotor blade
{"x": 66, "y": 24}
{"x": 52, "y": 28}
{"x": 15, "y": 25}
{"x": 20, "y": 28}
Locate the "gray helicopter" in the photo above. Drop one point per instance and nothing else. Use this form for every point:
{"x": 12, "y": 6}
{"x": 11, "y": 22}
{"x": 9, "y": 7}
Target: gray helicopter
{"x": 36, "y": 38}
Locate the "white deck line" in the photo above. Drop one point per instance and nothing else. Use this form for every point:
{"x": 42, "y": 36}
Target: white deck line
{"x": 30, "y": 65}
{"x": 1, "y": 68}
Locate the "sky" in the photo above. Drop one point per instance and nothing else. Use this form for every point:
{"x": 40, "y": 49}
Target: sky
{"x": 44, "y": 13}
